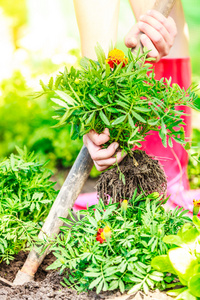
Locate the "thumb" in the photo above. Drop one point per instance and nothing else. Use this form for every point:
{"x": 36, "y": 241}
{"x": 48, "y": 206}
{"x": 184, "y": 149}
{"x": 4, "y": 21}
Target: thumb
{"x": 131, "y": 37}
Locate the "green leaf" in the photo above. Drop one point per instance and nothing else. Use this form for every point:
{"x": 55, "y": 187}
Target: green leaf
{"x": 121, "y": 286}
{"x": 163, "y": 128}
{"x": 138, "y": 117}
{"x": 135, "y": 288}
{"x": 92, "y": 274}
{"x": 107, "y": 70}
{"x": 194, "y": 285}
{"x": 130, "y": 67}
{"x": 99, "y": 287}
{"x": 67, "y": 98}
{"x": 173, "y": 239}
{"x": 141, "y": 109}
{"x": 145, "y": 288}
{"x": 188, "y": 233}
{"x": 135, "y": 279}
{"x": 150, "y": 283}
{"x": 69, "y": 247}
{"x": 90, "y": 118}
{"x": 59, "y": 102}
{"x": 156, "y": 278}
{"x": 119, "y": 120}
{"x": 153, "y": 122}
{"x": 55, "y": 265}
{"x": 187, "y": 146}
{"x": 114, "y": 285}
{"x": 186, "y": 295}
{"x": 163, "y": 264}
{"x": 196, "y": 222}
{"x": 118, "y": 69}
{"x": 130, "y": 120}
{"x": 95, "y": 282}
{"x": 110, "y": 271}
{"x": 95, "y": 100}
{"x": 170, "y": 142}
{"x": 112, "y": 110}
{"x": 50, "y": 84}
{"x": 176, "y": 292}
{"x": 104, "y": 118}
{"x": 100, "y": 54}
{"x": 92, "y": 221}
{"x": 183, "y": 262}
{"x": 105, "y": 286}
{"x": 97, "y": 215}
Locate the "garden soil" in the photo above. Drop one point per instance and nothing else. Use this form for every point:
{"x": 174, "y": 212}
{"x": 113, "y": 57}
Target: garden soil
{"x": 47, "y": 286}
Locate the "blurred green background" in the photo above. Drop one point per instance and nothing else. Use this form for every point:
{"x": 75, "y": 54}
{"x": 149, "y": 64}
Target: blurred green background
{"x": 39, "y": 38}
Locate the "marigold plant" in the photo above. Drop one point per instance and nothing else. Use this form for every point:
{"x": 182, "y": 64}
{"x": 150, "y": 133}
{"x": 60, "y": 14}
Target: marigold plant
{"x": 87, "y": 259}
{"x": 122, "y": 94}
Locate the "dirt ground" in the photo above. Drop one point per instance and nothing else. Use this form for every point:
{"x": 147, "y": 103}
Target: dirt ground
{"x": 47, "y": 286}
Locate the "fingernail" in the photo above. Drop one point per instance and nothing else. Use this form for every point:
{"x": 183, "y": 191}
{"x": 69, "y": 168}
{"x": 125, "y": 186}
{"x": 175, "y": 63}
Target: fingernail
{"x": 116, "y": 146}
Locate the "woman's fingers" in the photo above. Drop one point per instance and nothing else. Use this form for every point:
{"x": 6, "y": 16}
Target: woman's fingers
{"x": 99, "y": 139}
{"x": 158, "y": 33}
{"x": 168, "y": 22}
{"x": 102, "y": 165}
{"x": 103, "y": 158}
{"x": 97, "y": 153}
{"x": 131, "y": 38}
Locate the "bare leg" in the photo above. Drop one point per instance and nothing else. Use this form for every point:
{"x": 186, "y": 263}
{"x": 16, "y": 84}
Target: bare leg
{"x": 97, "y": 21}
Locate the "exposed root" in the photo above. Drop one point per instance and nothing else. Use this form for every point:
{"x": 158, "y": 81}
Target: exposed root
{"x": 147, "y": 176}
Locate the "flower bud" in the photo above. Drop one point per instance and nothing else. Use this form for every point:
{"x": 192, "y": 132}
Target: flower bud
{"x": 124, "y": 205}
{"x": 196, "y": 207}
{"x": 107, "y": 232}
{"x": 154, "y": 195}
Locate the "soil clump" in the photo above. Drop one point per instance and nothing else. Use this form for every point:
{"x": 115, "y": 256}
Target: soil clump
{"x": 140, "y": 171}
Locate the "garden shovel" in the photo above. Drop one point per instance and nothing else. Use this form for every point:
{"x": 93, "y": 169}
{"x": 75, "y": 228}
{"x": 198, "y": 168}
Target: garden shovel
{"x": 68, "y": 193}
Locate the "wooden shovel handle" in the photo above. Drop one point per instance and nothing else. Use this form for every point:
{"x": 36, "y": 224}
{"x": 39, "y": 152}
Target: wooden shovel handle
{"x": 164, "y": 7}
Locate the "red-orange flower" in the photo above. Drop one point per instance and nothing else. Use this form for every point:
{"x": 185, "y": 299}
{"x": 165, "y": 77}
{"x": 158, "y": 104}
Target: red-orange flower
{"x": 103, "y": 233}
{"x": 115, "y": 57}
{"x": 100, "y": 237}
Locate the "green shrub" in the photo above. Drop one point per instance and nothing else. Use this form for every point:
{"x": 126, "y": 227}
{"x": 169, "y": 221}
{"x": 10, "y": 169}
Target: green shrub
{"x": 26, "y": 195}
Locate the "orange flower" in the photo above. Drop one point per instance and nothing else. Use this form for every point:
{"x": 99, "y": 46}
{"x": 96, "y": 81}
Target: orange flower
{"x": 115, "y": 57}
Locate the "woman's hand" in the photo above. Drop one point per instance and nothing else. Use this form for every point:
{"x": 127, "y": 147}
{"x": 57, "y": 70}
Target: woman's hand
{"x": 103, "y": 158}
{"x": 158, "y": 34}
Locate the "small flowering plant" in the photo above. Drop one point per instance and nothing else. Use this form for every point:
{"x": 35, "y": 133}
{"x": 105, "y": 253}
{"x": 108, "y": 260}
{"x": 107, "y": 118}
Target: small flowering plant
{"x": 119, "y": 93}
{"x": 112, "y": 245}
